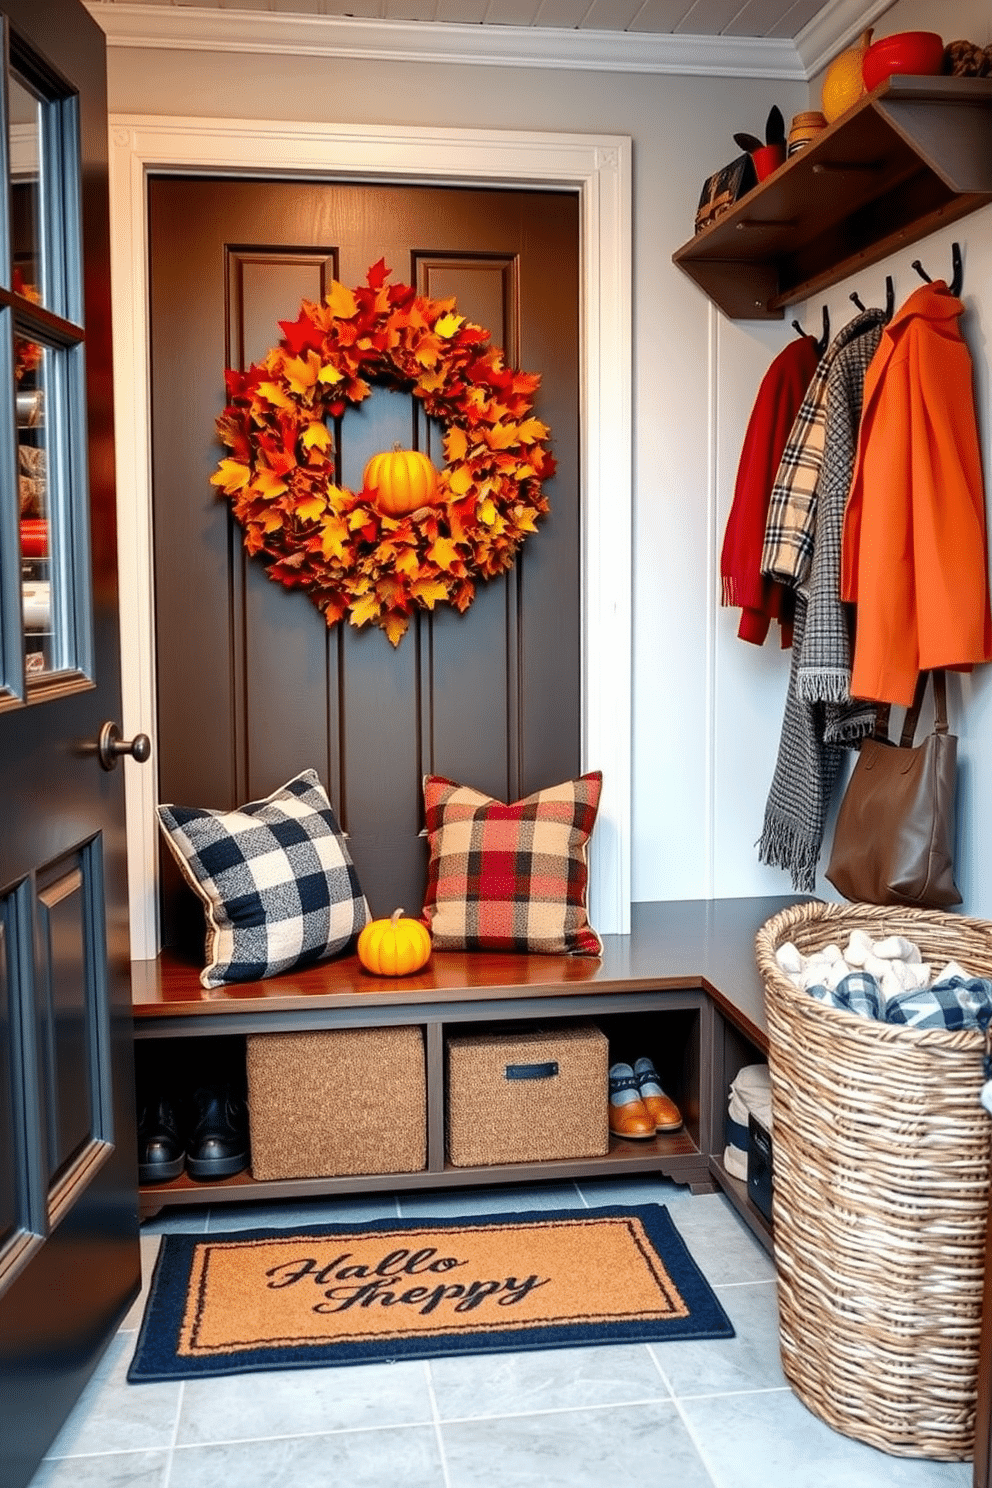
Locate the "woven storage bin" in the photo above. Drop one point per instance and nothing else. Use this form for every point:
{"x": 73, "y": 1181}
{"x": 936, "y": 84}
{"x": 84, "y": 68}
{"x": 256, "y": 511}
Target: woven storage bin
{"x": 527, "y": 1095}
{"x": 337, "y": 1102}
{"x": 881, "y": 1189}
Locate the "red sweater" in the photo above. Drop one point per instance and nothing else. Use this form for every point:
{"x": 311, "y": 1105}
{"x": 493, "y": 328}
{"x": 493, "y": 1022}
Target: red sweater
{"x": 761, "y": 599}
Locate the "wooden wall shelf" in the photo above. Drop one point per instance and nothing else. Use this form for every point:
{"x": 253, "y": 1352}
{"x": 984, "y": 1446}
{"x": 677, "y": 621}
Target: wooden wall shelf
{"x": 910, "y": 157}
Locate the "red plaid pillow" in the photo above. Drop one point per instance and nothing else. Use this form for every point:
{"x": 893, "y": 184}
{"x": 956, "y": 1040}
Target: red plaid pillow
{"x": 510, "y": 878}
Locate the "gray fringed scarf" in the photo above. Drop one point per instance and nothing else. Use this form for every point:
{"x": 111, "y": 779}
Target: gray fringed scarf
{"x": 806, "y": 772}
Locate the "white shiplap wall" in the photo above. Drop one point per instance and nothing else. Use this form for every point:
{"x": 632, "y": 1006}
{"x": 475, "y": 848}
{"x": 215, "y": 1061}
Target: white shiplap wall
{"x": 706, "y": 707}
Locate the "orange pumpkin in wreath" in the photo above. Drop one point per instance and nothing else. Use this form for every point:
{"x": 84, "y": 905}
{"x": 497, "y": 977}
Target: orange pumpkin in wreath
{"x": 401, "y": 481}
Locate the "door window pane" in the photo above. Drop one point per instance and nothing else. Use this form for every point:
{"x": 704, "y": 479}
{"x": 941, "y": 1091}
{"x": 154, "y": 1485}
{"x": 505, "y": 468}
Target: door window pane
{"x": 37, "y": 533}
{"x": 26, "y": 231}
{"x": 43, "y": 279}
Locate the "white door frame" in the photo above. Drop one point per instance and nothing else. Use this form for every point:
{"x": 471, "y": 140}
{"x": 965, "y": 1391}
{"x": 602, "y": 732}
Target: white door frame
{"x": 598, "y": 168}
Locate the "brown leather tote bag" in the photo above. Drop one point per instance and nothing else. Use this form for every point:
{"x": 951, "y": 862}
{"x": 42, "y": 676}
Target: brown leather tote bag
{"x": 894, "y": 839}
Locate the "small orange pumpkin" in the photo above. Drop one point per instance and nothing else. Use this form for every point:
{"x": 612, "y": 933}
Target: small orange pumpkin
{"x": 401, "y": 480}
{"x": 394, "y": 947}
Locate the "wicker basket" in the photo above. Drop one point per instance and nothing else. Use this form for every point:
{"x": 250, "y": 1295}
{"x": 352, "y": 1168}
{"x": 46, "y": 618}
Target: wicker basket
{"x": 553, "y": 1108}
{"x": 337, "y": 1101}
{"x": 881, "y": 1193}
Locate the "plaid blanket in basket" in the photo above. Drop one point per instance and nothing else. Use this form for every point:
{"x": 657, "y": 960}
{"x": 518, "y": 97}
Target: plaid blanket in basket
{"x": 956, "y": 1002}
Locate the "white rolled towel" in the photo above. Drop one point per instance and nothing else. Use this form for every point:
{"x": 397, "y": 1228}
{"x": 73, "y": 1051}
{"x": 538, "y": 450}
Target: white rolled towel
{"x": 897, "y": 948}
{"x": 789, "y": 958}
{"x": 858, "y": 948}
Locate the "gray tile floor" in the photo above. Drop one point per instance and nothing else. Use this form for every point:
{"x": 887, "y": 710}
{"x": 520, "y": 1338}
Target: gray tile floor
{"x": 714, "y": 1414}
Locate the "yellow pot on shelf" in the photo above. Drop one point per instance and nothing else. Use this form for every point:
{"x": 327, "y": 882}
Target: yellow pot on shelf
{"x": 843, "y": 83}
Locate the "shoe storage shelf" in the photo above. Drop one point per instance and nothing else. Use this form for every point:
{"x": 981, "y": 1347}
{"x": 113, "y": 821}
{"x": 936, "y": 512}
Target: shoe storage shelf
{"x": 911, "y": 157}
{"x": 682, "y": 988}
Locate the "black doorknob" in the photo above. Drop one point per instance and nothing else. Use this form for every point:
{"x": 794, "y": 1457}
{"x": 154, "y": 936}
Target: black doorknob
{"x": 111, "y": 746}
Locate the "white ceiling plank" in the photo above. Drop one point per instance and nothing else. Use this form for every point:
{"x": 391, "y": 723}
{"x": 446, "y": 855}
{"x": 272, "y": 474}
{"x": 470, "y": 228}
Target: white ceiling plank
{"x": 564, "y": 15}
{"x": 756, "y": 17}
{"x": 708, "y": 17}
{"x": 796, "y": 17}
{"x": 461, "y": 12}
{"x": 410, "y": 10}
{"x": 296, "y": 7}
{"x": 659, "y": 17}
{"x": 366, "y": 10}
{"x": 511, "y": 12}
{"x": 611, "y": 15}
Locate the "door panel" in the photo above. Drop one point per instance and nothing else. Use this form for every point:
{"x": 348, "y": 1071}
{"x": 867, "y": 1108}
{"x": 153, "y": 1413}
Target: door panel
{"x": 11, "y": 1199}
{"x": 473, "y": 725}
{"x": 69, "y": 1255}
{"x": 70, "y": 977}
{"x": 490, "y": 697}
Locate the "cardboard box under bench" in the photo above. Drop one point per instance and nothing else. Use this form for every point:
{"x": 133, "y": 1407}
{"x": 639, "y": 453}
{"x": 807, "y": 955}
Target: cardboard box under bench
{"x": 337, "y": 1102}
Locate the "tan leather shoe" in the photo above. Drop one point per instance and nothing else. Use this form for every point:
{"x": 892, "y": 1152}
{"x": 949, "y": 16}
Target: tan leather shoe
{"x": 660, "y": 1107}
{"x": 629, "y": 1117}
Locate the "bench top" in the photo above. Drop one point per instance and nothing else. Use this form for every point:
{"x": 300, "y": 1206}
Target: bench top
{"x": 689, "y": 943}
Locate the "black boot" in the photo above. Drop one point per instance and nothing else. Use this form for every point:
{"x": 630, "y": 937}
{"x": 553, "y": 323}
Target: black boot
{"x": 161, "y": 1149}
{"x": 217, "y": 1145}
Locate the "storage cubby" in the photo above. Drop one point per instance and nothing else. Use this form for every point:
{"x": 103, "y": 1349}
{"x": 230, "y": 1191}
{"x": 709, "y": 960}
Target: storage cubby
{"x": 733, "y": 1051}
{"x": 671, "y": 1039}
{"x": 682, "y": 988}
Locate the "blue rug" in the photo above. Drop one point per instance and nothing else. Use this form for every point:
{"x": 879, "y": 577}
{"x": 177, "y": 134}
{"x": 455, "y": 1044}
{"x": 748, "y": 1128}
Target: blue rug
{"x": 415, "y": 1289}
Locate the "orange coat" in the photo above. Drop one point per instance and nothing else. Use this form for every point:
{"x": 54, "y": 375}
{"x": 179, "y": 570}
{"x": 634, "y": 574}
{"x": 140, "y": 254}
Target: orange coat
{"x": 915, "y": 560}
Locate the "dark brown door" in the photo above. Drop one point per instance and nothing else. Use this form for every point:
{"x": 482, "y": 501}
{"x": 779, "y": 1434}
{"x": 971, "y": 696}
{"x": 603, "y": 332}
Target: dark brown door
{"x": 69, "y": 1258}
{"x": 252, "y": 685}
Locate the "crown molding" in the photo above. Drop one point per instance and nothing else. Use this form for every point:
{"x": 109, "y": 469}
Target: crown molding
{"x": 834, "y": 28}
{"x": 188, "y": 28}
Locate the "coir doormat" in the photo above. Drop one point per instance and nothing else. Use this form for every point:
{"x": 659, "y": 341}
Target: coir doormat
{"x": 346, "y": 1294}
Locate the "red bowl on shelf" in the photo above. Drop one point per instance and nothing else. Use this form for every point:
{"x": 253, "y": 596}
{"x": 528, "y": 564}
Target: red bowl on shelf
{"x": 918, "y": 53}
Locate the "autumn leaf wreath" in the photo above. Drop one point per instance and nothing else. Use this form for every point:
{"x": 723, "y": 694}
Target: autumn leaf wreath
{"x": 282, "y": 478}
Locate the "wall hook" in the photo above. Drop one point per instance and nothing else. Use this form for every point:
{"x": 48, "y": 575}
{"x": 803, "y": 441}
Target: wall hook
{"x": 824, "y": 340}
{"x": 890, "y": 297}
{"x": 856, "y": 298}
{"x": 957, "y": 270}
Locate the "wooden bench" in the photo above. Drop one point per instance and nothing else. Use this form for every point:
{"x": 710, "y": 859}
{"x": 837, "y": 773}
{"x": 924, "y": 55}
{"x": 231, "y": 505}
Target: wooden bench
{"x": 684, "y": 981}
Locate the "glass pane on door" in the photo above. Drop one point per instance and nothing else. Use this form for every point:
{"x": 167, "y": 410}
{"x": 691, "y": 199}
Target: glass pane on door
{"x": 26, "y": 230}
{"x": 44, "y": 279}
{"x": 33, "y": 362}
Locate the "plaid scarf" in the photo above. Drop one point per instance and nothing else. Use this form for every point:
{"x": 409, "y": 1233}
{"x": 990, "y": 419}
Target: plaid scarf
{"x": 824, "y": 671}
{"x": 821, "y": 720}
{"x": 788, "y": 545}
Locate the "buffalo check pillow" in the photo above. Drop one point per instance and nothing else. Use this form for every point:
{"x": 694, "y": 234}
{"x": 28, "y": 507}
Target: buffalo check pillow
{"x": 510, "y": 877}
{"x": 276, "y": 879}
